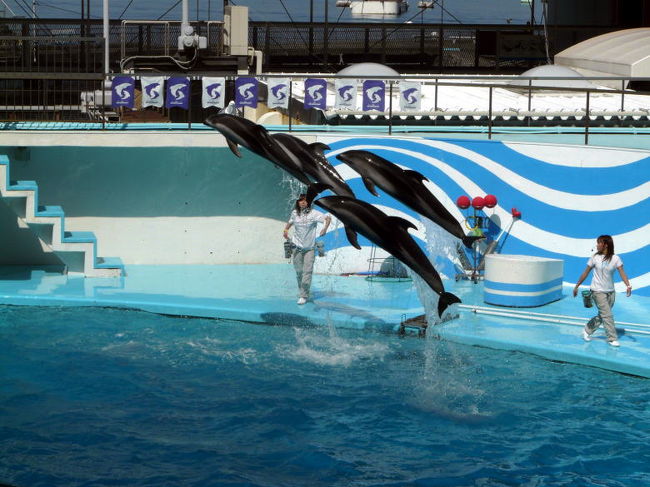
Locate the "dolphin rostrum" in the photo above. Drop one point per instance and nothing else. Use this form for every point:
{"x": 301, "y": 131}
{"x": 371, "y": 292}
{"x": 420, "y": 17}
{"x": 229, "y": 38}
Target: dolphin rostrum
{"x": 240, "y": 131}
{"x": 405, "y": 186}
{"x": 315, "y": 164}
{"x": 391, "y": 234}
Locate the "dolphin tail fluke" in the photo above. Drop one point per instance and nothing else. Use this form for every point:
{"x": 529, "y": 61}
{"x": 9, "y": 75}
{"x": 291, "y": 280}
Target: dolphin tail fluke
{"x": 446, "y": 300}
{"x": 469, "y": 240}
{"x": 314, "y": 189}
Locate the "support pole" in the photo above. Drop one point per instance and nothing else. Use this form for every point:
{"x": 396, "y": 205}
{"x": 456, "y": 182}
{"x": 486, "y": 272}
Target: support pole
{"x": 587, "y": 110}
{"x": 106, "y": 37}
{"x": 490, "y": 115}
{"x": 289, "y": 105}
{"x": 390, "y": 108}
{"x": 185, "y": 20}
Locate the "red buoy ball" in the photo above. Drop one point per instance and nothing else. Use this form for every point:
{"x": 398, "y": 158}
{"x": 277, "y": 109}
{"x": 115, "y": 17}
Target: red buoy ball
{"x": 478, "y": 203}
{"x": 490, "y": 200}
{"x": 463, "y": 202}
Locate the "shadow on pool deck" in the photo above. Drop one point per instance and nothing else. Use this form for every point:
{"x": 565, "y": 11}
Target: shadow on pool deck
{"x": 267, "y": 294}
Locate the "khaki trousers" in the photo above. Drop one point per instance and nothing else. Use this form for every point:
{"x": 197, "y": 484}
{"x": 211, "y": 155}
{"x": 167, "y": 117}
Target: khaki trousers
{"x": 303, "y": 263}
{"x": 604, "y": 303}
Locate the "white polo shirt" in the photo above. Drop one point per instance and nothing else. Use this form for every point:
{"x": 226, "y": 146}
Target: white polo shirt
{"x": 603, "y": 278}
{"x": 304, "y": 227}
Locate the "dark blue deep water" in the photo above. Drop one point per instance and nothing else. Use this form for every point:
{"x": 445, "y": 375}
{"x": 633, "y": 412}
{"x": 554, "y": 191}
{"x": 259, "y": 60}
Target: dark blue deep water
{"x": 100, "y": 397}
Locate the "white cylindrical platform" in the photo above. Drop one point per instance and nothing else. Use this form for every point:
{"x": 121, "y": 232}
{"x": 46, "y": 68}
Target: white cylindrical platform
{"x": 522, "y": 280}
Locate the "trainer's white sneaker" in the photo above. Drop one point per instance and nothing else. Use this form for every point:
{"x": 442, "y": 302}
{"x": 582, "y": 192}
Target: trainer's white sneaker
{"x": 585, "y": 336}
{"x": 302, "y": 301}
{"x": 614, "y": 343}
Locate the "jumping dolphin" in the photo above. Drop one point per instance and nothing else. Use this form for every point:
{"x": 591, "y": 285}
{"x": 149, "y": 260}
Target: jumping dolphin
{"x": 315, "y": 164}
{"x": 405, "y": 186}
{"x": 240, "y": 131}
{"x": 391, "y": 234}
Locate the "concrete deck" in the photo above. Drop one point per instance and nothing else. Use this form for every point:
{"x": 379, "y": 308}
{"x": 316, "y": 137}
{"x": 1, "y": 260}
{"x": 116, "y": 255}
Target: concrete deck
{"x": 267, "y": 294}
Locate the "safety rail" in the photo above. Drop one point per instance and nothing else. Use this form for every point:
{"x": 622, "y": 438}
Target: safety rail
{"x": 85, "y": 97}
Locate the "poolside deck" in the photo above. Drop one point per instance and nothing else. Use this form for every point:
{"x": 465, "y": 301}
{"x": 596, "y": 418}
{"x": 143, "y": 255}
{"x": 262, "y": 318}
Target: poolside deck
{"x": 267, "y": 294}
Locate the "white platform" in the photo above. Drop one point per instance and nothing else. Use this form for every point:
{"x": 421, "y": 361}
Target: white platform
{"x": 522, "y": 280}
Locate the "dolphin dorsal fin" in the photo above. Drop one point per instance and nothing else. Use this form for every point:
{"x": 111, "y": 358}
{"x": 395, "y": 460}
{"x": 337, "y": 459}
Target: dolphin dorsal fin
{"x": 314, "y": 189}
{"x": 234, "y": 148}
{"x": 415, "y": 175}
{"x": 319, "y": 147}
{"x": 370, "y": 186}
{"x": 401, "y": 222}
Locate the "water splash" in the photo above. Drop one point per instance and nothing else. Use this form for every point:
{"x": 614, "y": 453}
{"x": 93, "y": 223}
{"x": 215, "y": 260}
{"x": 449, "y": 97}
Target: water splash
{"x": 441, "y": 248}
{"x": 331, "y": 350}
{"x": 448, "y": 386}
{"x": 450, "y": 383}
{"x": 294, "y": 188}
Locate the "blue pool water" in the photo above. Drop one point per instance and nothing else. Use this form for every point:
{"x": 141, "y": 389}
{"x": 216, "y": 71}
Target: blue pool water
{"x": 115, "y": 397}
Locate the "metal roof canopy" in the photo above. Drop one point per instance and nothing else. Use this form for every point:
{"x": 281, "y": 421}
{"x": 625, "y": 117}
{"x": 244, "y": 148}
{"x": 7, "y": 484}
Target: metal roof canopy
{"x": 620, "y": 53}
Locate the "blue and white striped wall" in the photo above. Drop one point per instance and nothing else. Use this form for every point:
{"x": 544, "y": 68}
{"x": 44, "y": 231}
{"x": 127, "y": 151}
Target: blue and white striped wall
{"x": 568, "y": 195}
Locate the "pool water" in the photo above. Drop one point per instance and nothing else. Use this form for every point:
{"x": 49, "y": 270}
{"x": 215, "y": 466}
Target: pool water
{"x": 94, "y": 397}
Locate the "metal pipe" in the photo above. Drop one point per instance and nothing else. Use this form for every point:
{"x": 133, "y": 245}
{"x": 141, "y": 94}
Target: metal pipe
{"x": 622, "y": 95}
{"x": 490, "y": 115}
{"x": 587, "y": 120}
{"x": 390, "y": 108}
{"x": 185, "y": 20}
{"x": 289, "y": 103}
{"x": 107, "y": 42}
{"x": 473, "y": 307}
{"x": 540, "y": 317}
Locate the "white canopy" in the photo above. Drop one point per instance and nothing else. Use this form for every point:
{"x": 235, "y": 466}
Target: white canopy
{"x": 620, "y": 53}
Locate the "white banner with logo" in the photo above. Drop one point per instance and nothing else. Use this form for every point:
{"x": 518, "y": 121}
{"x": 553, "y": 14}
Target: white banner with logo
{"x": 153, "y": 89}
{"x": 410, "y": 95}
{"x": 278, "y": 93}
{"x": 346, "y": 94}
{"x": 212, "y": 94}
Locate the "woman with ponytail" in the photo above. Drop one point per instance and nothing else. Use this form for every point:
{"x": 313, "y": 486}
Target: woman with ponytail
{"x": 603, "y": 263}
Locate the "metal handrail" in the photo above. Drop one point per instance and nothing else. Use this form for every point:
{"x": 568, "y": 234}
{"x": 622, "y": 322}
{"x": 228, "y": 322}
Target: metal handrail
{"x": 486, "y": 118}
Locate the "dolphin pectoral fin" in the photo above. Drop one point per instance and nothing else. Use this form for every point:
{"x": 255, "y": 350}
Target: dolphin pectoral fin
{"x": 314, "y": 189}
{"x": 468, "y": 240}
{"x": 401, "y": 222}
{"x": 415, "y": 175}
{"x": 370, "y": 186}
{"x": 446, "y": 300}
{"x": 234, "y": 148}
{"x": 352, "y": 238}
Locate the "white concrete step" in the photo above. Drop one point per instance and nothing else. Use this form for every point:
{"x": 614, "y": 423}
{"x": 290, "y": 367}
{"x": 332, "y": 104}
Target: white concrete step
{"x": 77, "y": 250}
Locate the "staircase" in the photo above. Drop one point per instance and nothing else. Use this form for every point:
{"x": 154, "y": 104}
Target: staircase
{"x": 77, "y": 250}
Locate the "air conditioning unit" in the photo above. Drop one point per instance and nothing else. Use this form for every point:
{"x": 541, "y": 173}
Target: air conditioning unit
{"x": 235, "y": 30}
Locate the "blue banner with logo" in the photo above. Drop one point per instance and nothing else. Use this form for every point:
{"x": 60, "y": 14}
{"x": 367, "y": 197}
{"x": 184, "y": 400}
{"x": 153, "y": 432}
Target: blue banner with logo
{"x": 316, "y": 93}
{"x": 246, "y": 90}
{"x": 122, "y": 92}
{"x": 178, "y": 93}
{"x": 374, "y": 95}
